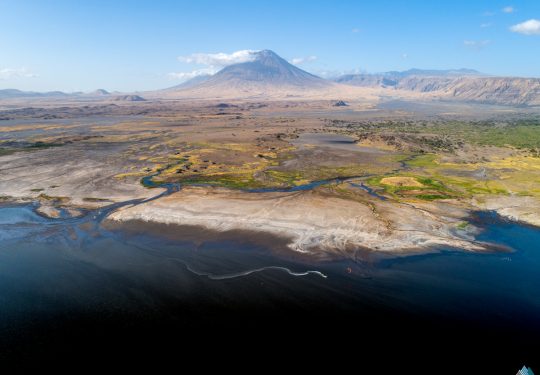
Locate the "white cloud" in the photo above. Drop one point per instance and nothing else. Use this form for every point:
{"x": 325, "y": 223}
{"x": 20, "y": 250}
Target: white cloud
{"x": 476, "y": 44}
{"x": 488, "y": 13}
{"x": 7, "y": 73}
{"x": 213, "y": 61}
{"x": 530, "y": 27}
{"x": 355, "y": 30}
{"x": 336, "y": 73}
{"x": 303, "y": 60}
{"x": 508, "y": 9}
{"x": 195, "y": 73}
{"x": 486, "y": 24}
{"x": 219, "y": 59}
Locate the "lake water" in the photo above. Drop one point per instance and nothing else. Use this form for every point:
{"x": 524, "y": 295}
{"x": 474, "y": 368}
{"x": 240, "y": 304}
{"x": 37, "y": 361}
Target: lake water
{"x": 67, "y": 285}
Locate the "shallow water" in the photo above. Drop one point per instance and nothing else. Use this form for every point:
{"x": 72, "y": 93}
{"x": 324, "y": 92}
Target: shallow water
{"x": 75, "y": 273}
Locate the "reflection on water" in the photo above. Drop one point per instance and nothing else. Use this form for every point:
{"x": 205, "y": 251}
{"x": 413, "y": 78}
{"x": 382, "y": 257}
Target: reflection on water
{"x": 61, "y": 269}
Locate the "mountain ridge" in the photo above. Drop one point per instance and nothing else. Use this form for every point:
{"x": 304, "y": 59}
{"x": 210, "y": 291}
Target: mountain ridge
{"x": 514, "y": 91}
{"x": 15, "y": 93}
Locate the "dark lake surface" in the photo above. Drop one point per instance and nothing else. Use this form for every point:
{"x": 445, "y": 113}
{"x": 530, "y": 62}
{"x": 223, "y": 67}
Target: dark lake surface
{"x": 69, "y": 287}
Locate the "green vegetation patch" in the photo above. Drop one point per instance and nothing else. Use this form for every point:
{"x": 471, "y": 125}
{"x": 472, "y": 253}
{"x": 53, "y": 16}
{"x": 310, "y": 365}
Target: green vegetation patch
{"x": 422, "y": 161}
{"x": 7, "y": 151}
{"x": 232, "y": 182}
{"x": 470, "y": 186}
{"x": 24, "y": 146}
{"x": 430, "y": 189}
{"x": 463, "y": 225}
{"x": 42, "y": 145}
{"x": 447, "y": 135}
{"x": 432, "y": 197}
{"x": 92, "y": 199}
{"x": 46, "y": 197}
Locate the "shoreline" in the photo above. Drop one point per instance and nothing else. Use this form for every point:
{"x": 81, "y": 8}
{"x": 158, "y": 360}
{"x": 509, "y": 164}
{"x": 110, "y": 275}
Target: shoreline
{"x": 314, "y": 223}
{"x": 278, "y": 245}
{"x": 288, "y": 236}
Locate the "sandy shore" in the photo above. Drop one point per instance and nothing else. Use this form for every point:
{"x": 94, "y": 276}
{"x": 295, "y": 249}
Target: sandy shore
{"x": 311, "y": 220}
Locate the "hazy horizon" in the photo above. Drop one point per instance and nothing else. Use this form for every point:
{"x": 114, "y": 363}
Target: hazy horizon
{"x": 129, "y": 46}
{"x": 188, "y": 76}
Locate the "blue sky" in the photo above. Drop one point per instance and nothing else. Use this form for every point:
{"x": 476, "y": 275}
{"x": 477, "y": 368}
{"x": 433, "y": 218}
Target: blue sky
{"x": 136, "y": 45}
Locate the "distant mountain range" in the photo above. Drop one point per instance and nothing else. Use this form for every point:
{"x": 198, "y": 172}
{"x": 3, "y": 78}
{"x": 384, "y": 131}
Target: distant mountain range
{"x": 99, "y": 94}
{"x": 462, "y": 85}
{"x": 267, "y": 75}
{"x": 14, "y": 93}
{"x": 391, "y": 79}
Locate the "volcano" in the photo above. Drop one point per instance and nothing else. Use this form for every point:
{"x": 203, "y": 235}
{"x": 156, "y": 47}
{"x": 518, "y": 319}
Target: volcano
{"x": 266, "y": 74}
{"x": 266, "y": 69}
